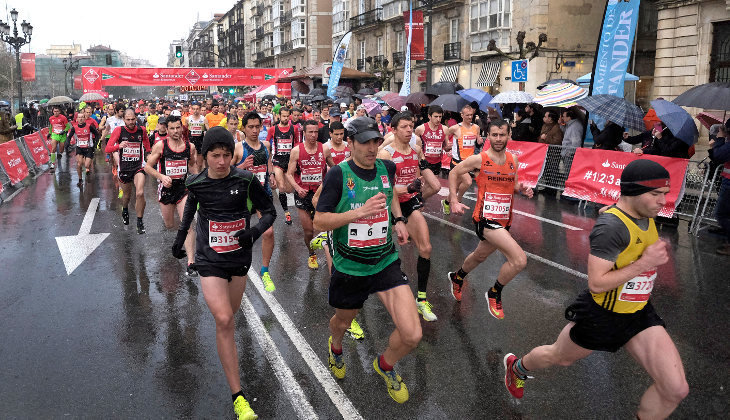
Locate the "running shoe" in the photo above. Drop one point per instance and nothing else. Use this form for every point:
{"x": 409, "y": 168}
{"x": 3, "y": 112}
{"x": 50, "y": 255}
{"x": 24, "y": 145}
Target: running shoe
{"x": 425, "y": 309}
{"x": 316, "y": 242}
{"x": 312, "y": 262}
{"x": 336, "y": 362}
{"x": 355, "y": 331}
{"x": 268, "y": 283}
{"x": 52, "y": 167}
{"x": 397, "y": 390}
{"x": 121, "y": 193}
{"x": 445, "y": 207}
{"x": 190, "y": 271}
{"x": 495, "y": 304}
{"x": 140, "y": 227}
{"x": 243, "y": 410}
{"x": 515, "y": 385}
{"x": 455, "y": 288}
{"x": 287, "y": 218}
{"x": 125, "y": 216}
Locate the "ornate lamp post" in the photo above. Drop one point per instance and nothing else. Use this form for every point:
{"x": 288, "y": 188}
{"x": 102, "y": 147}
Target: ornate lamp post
{"x": 71, "y": 66}
{"x": 16, "y": 42}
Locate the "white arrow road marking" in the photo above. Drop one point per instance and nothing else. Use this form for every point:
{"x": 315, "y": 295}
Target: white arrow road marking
{"x": 75, "y": 249}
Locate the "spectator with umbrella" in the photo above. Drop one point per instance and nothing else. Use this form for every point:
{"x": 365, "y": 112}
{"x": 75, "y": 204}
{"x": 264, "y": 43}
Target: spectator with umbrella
{"x": 521, "y": 127}
{"x": 551, "y": 132}
{"x": 721, "y": 153}
{"x": 607, "y": 139}
{"x": 664, "y": 143}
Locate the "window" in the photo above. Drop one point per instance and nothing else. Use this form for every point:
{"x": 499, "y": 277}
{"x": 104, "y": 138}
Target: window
{"x": 302, "y": 28}
{"x": 393, "y": 9}
{"x": 379, "y": 45}
{"x": 720, "y": 57}
{"x": 340, "y": 16}
{"x": 400, "y": 44}
{"x": 362, "y": 49}
{"x": 453, "y": 30}
{"x": 490, "y": 19}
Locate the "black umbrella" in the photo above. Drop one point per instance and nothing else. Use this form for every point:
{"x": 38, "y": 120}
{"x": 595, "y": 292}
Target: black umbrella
{"x": 300, "y": 86}
{"x": 346, "y": 99}
{"x": 714, "y": 95}
{"x": 344, "y": 91}
{"x": 316, "y": 98}
{"x": 318, "y": 91}
{"x": 443, "y": 88}
{"x": 268, "y": 97}
{"x": 554, "y": 81}
{"x": 450, "y": 102}
{"x": 357, "y": 95}
{"x": 417, "y": 98}
{"x": 366, "y": 91}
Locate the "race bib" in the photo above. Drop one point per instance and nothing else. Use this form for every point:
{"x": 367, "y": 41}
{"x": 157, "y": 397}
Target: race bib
{"x": 260, "y": 173}
{"x": 196, "y": 130}
{"x": 311, "y": 176}
{"x": 220, "y": 235}
{"x": 468, "y": 140}
{"x": 434, "y": 149}
{"x": 284, "y": 145}
{"x": 131, "y": 152}
{"x": 496, "y": 206}
{"x": 82, "y": 142}
{"x": 176, "y": 169}
{"x": 406, "y": 175}
{"x": 369, "y": 231}
{"x": 639, "y": 288}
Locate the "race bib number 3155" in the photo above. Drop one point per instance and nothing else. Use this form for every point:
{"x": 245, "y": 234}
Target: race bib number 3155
{"x": 220, "y": 235}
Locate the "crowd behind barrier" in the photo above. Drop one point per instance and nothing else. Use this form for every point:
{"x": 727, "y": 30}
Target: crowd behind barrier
{"x": 696, "y": 205}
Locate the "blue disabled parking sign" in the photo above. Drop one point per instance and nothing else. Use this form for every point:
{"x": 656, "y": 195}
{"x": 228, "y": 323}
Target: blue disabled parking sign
{"x": 519, "y": 71}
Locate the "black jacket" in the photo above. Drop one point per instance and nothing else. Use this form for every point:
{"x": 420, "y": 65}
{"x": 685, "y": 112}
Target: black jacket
{"x": 609, "y": 138}
{"x": 668, "y": 145}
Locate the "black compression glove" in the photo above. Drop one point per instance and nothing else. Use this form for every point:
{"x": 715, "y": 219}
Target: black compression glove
{"x": 245, "y": 238}
{"x": 177, "y": 247}
{"x": 414, "y": 186}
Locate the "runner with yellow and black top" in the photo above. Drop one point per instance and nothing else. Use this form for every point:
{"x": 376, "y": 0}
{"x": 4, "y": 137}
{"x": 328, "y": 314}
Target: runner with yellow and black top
{"x": 359, "y": 206}
{"x": 616, "y": 312}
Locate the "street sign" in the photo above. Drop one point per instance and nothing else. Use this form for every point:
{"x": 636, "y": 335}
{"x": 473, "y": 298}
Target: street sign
{"x": 519, "y": 70}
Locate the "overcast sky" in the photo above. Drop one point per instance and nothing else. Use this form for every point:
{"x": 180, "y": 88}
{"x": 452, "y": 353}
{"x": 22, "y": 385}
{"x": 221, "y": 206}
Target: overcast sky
{"x": 139, "y": 28}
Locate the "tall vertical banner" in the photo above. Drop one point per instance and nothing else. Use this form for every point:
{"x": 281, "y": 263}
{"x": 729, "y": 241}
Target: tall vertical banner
{"x": 338, "y": 61}
{"x": 27, "y": 66}
{"x": 417, "y": 48}
{"x": 405, "y": 90}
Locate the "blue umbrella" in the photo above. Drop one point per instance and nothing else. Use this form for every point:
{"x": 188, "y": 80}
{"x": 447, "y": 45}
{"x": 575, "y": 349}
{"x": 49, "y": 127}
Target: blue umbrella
{"x": 677, "y": 120}
{"x": 479, "y": 96}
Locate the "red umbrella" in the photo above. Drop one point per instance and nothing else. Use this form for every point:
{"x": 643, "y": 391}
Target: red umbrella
{"x": 708, "y": 120}
{"x": 650, "y": 119}
{"x": 395, "y": 101}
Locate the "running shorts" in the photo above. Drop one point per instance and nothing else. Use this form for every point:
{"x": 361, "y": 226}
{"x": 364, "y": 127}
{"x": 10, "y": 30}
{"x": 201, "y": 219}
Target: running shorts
{"x": 305, "y": 203}
{"x": 281, "y": 161}
{"x": 482, "y": 224}
{"x": 227, "y": 273}
{"x": 599, "y": 329}
{"x": 198, "y": 143}
{"x": 415, "y": 203}
{"x": 127, "y": 177}
{"x": 433, "y": 167}
{"x": 172, "y": 195}
{"x": 87, "y": 152}
{"x": 351, "y": 292}
{"x": 58, "y": 137}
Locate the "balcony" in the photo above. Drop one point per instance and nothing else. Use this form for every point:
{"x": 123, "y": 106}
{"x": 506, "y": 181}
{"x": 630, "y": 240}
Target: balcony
{"x": 259, "y": 56}
{"x": 286, "y": 17}
{"x": 259, "y": 32}
{"x": 452, "y": 51}
{"x": 361, "y": 64}
{"x": 299, "y": 43}
{"x": 399, "y": 59}
{"x": 286, "y": 47}
{"x": 378, "y": 61}
{"x": 368, "y": 18}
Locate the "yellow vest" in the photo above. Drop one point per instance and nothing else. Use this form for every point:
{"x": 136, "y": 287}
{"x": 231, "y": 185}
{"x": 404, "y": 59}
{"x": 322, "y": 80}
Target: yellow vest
{"x": 631, "y": 296}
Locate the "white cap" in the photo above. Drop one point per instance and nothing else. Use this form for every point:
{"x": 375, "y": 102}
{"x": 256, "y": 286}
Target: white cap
{"x": 176, "y": 113}
{"x": 404, "y": 108}
{"x": 343, "y": 105}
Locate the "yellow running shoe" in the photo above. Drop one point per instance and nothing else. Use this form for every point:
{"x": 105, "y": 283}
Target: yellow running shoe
{"x": 312, "y": 262}
{"x": 268, "y": 283}
{"x": 316, "y": 242}
{"x": 336, "y": 362}
{"x": 121, "y": 193}
{"x": 243, "y": 410}
{"x": 355, "y": 331}
{"x": 426, "y": 310}
{"x": 397, "y": 390}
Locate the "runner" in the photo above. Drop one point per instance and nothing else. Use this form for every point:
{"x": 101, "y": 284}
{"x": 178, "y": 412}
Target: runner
{"x": 408, "y": 189}
{"x": 58, "y": 128}
{"x": 232, "y": 125}
{"x": 307, "y": 166}
{"x": 356, "y": 205}
{"x": 161, "y": 132}
{"x": 253, "y": 155}
{"x": 283, "y": 138}
{"x": 85, "y": 136}
{"x": 224, "y": 237}
{"x": 130, "y": 142}
{"x": 616, "y": 310}
{"x": 197, "y": 126}
{"x": 496, "y": 186}
{"x": 434, "y": 142}
{"x": 213, "y": 118}
{"x": 169, "y": 162}
{"x": 109, "y": 125}
{"x": 465, "y": 137}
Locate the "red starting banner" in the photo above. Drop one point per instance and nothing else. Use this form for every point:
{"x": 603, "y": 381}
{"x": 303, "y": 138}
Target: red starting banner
{"x": 37, "y": 148}
{"x": 595, "y": 175}
{"x": 530, "y": 160}
{"x": 13, "y": 162}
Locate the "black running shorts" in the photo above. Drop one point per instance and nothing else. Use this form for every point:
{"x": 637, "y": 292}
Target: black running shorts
{"x": 223, "y": 272}
{"x": 198, "y": 143}
{"x": 599, "y": 329}
{"x": 482, "y": 224}
{"x": 281, "y": 161}
{"x": 305, "y": 203}
{"x": 87, "y": 152}
{"x": 433, "y": 167}
{"x": 127, "y": 177}
{"x": 172, "y": 195}
{"x": 351, "y": 292}
{"x": 408, "y": 207}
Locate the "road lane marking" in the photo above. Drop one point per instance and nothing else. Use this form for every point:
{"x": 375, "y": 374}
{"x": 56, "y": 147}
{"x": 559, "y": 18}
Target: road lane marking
{"x": 333, "y": 390}
{"x": 533, "y": 256}
{"x": 76, "y": 248}
{"x": 285, "y": 376}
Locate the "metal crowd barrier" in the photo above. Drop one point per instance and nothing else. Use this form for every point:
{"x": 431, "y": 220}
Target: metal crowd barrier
{"x": 709, "y": 204}
{"x": 33, "y": 170}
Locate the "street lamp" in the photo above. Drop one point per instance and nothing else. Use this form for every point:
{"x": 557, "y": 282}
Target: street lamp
{"x": 71, "y": 66}
{"x": 16, "y": 42}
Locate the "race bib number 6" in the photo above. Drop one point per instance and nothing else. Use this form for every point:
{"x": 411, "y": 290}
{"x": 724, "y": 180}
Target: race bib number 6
{"x": 468, "y": 140}
{"x": 220, "y": 235}
{"x": 368, "y": 231}
{"x": 311, "y": 176}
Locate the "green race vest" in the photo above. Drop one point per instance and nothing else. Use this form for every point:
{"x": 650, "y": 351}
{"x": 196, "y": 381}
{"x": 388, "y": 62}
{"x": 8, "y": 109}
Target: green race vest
{"x": 365, "y": 246}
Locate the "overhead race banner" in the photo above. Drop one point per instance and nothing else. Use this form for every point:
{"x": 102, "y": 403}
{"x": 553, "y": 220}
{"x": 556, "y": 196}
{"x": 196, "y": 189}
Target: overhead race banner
{"x": 417, "y": 48}
{"x": 13, "y": 162}
{"x": 596, "y": 176}
{"x": 614, "y": 47}
{"x": 338, "y": 62}
{"x": 27, "y": 66}
{"x": 530, "y": 160}
{"x": 95, "y": 78}
{"x": 37, "y": 149}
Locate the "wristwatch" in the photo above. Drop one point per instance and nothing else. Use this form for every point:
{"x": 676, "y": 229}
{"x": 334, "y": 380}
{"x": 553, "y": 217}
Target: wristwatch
{"x": 400, "y": 219}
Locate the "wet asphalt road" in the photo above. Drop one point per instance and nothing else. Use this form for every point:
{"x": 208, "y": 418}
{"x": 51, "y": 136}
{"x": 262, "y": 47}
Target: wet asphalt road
{"x": 127, "y": 335}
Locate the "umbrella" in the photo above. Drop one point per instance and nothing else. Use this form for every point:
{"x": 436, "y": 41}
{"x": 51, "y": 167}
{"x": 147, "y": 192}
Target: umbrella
{"x": 450, "y": 102}
{"x": 346, "y": 99}
{"x": 586, "y": 78}
{"x": 677, "y": 120}
{"x": 714, "y": 95}
{"x": 317, "y": 98}
{"x": 43, "y": 101}
{"x": 615, "y": 109}
{"x": 650, "y": 118}
{"x": 93, "y": 96}
{"x": 268, "y": 97}
{"x": 562, "y": 95}
{"x": 417, "y": 98}
{"x": 317, "y": 91}
{"x": 382, "y": 93}
{"x": 344, "y": 91}
{"x": 58, "y": 100}
{"x": 395, "y": 101}
{"x": 512, "y": 97}
{"x": 300, "y": 86}
{"x": 708, "y": 120}
{"x": 371, "y": 107}
{"x": 366, "y": 91}
{"x": 443, "y": 88}
{"x": 554, "y": 81}
{"x": 479, "y": 96}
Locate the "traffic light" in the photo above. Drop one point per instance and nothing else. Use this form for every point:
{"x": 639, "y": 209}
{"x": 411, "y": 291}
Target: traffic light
{"x": 178, "y": 51}
{"x": 232, "y": 91}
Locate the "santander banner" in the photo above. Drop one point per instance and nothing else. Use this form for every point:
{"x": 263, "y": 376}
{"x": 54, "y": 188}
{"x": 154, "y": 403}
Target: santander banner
{"x": 13, "y": 162}
{"x": 417, "y": 49}
{"x": 37, "y": 148}
{"x": 95, "y": 78}
{"x": 596, "y": 176}
{"x": 27, "y": 66}
{"x": 530, "y": 160}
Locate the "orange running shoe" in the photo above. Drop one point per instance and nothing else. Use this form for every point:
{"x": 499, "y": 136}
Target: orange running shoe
{"x": 495, "y": 304}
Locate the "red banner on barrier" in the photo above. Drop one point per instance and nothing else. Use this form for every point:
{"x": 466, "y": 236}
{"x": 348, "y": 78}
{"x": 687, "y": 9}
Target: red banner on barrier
{"x": 417, "y": 49}
{"x": 27, "y": 66}
{"x": 37, "y": 149}
{"x": 94, "y": 78}
{"x": 531, "y": 160}
{"x": 596, "y": 176}
{"x": 13, "y": 162}
{"x": 44, "y": 135}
